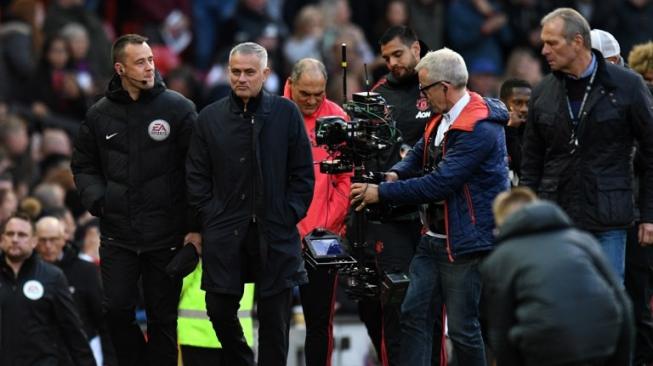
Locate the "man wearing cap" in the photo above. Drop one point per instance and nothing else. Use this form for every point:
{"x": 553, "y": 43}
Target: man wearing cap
{"x": 582, "y": 124}
{"x": 607, "y": 45}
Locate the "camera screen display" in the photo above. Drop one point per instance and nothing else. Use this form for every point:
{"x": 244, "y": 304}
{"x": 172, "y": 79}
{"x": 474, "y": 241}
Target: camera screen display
{"x": 326, "y": 247}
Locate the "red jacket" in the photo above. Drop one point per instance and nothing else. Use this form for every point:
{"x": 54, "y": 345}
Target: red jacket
{"x": 331, "y": 194}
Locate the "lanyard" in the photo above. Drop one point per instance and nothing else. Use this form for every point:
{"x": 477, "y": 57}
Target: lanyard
{"x": 573, "y": 140}
{"x": 588, "y": 89}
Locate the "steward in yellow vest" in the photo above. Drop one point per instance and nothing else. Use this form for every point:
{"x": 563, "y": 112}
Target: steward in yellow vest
{"x": 198, "y": 342}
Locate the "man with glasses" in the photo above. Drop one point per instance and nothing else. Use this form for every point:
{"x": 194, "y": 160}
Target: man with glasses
{"x": 458, "y": 167}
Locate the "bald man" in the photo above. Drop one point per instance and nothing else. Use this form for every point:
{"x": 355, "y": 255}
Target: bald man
{"x": 306, "y": 87}
{"x": 83, "y": 280}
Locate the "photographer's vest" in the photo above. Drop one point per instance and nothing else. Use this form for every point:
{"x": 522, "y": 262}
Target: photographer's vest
{"x": 193, "y": 325}
{"x": 433, "y": 214}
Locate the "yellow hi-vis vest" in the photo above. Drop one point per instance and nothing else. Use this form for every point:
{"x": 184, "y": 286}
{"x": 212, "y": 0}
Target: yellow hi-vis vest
{"x": 193, "y": 325}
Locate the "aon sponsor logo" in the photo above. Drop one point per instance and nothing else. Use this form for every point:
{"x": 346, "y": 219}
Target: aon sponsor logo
{"x": 425, "y": 114}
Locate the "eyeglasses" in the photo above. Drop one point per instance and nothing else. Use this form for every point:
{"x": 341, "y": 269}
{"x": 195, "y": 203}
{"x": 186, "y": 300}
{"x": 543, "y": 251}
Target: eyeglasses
{"x": 423, "y": 89}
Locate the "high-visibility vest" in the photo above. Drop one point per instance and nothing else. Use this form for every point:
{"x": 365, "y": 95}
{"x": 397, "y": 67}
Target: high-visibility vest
{"x": 193, "y": 325}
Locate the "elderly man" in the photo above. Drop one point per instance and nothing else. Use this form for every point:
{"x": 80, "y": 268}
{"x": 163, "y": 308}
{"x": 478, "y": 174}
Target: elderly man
{"x": 83, "y": 280}
{"x": 39, "y": 323}
{"x": 250, "y": 175}
{"x": 461, "y": 166}
{"x": 581, "y": 128}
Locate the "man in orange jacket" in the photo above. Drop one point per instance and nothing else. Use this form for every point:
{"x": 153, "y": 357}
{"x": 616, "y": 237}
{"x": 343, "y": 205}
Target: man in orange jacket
{"x": 306, "y": 86}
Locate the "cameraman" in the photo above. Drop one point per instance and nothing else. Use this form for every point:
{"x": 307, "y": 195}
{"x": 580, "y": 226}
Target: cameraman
{"x": 306, "y": 86}
{"x": 401, "y": 231}
{"x": 462, "y": 162}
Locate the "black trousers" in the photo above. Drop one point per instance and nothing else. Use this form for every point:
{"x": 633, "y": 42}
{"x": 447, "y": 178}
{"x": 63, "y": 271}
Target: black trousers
{"x": 398, "y": 239}
{"x": 273, "y": 314}
{"x": 274, "y": 324}
{"x": 201, "y": 356}
{"x": 121, "y": 269}
{"x": 318, "y": 297}
{"x": 639, "y": 285}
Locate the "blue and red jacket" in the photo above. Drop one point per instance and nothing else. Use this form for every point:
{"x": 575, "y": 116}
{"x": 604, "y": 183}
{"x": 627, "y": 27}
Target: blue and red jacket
{"x": 472, "y": 172}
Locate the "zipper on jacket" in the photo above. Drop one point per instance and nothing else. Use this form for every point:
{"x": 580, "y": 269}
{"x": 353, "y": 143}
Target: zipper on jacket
{"x": 470, "y": 204}
{"x": 253, "y": 165}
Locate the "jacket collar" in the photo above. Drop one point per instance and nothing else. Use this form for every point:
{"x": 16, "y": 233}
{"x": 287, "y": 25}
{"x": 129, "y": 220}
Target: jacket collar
{"x": 602, "y": 75}
{"x": 262, "y": 103}
{"x": 117, "y": 93}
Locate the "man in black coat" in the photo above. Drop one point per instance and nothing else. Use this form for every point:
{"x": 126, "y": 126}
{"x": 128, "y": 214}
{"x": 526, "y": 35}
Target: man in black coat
{"x": 84, "y": 284}
{"x": 551, "y": 297}
{"x": 582, "y": 124}
{"x": 250, "y": 176}
{"x": 39, "y": 323}
{"x": 129, "y": 168}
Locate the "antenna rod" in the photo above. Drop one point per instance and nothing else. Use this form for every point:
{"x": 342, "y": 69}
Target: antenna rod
{"x": 367, "y": 80}
{"x": 343, "y": 64}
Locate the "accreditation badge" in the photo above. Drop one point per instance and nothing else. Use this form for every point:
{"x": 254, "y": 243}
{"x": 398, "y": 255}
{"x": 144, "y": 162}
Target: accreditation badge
{"x": 33, "y": 290}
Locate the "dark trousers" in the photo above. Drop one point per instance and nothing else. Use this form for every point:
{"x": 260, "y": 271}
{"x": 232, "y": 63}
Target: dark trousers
{"x": 121, "y": 270}
{"x": 274, "y": 324}
{"x": 398, "y": 240}
{"x": 201, "y": 356}
{"x": 273, "y": 314}
{"x": 318, "y": 297}
{"x": 639, "y": 285}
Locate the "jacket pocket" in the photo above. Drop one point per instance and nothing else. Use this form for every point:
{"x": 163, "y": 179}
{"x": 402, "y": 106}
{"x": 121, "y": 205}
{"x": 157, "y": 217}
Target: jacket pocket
{"x": 614, "y": 204}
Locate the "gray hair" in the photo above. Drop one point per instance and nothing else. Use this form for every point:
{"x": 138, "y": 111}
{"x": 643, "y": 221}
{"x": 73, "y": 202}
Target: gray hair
{"x": 445, "y": 65}
{"x": 573, "y": 23}
{"x": 251, "y": 48}
{"x": 307, "y": 65}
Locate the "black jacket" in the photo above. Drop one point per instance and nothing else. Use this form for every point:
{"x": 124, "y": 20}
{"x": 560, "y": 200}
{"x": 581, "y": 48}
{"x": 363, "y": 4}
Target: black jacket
{"x": 281, "y": 190}
{"x": 128, "y": 164}
{"x": 409, "y": 109}
{"x": 550, "y": 294}
{"x": 86, "y": 288}
{"x": 43, "y": 329}
{"x": 594, "y": 183}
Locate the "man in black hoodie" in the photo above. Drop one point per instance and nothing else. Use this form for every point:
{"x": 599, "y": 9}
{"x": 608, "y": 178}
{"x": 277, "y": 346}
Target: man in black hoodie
{"x": 551, "y": 296}
{"x": 128, "y": 165}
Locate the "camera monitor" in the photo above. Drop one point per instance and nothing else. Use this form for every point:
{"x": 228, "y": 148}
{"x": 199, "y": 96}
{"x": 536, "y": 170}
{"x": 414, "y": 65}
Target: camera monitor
{"x": 326, "y": 248}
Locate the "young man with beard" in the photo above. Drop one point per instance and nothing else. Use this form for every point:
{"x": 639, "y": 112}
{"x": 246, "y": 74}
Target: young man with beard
{"x": 400, "y": 232}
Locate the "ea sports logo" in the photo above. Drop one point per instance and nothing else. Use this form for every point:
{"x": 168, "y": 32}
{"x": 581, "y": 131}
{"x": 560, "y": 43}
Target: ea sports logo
{"x": 159, "y": 130}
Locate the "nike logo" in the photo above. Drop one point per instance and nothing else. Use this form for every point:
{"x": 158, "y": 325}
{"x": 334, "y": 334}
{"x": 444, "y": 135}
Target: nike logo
{"x": 109, "y": 137}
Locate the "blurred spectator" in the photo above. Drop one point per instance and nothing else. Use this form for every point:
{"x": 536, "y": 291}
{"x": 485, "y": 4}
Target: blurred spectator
{"x": 634, "y": 23}
{"x": 86, "y": 74}
{"x": 522, "y": 64}
{"x": 20, "y": 43}
{"x": 478, "y": 29}
{"x": 605, "y": 43}
{"x": 146, "y": 16}
{"x": 183, "y": 81}
{"x": 83, "y": 281}
{"x": 8, "y": 203}
{"x": 396, "y": 14}
{"x": 599, "y": 14}
{"x": 31, "y": 207}
{"x": 515, "y": 94}
{"x": 208, "y": 21}
{"x": 87, "y": 239}
{"x": 54, "y": 91}
{"x": 524, "y": 17}
{"x": 427, "y": 20}
{"x": 54, "y": 141}
{"x": 365, "y": 14}
{"x": 15, "y": 140}
{"x": 640, "y": 59}
{"x": 484, "y": 77}
{"x": 63, "y": 12}
{"x": 547, "y": 286}
{"x": 50, "y": 195}
{"x": 307, "y": 33}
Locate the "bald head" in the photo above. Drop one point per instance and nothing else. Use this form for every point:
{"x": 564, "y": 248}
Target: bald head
{"x": 308, "y": 85}
{"x": 50, "y": 234}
